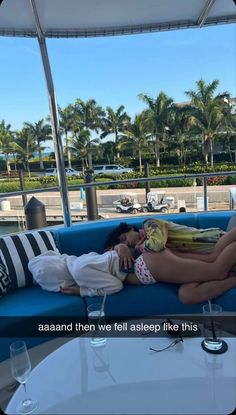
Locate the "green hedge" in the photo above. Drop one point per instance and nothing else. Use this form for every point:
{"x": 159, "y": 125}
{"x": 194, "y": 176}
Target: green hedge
{"x": 13, "y": 185}
{"x": 211, "y": 181}
{"x": 191, "y": 169}
{"x": 9, "y": 186}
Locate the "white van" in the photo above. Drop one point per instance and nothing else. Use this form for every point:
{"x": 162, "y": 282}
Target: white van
{"x": 111, "y": 169}
{"x": 52, "y": 171}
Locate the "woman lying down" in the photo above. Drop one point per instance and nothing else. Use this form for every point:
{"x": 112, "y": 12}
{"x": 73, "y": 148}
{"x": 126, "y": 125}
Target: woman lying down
{"x": 202, "y": 276}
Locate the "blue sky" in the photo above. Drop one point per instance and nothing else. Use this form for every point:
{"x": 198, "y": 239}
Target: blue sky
{"x": 113, "y": 70}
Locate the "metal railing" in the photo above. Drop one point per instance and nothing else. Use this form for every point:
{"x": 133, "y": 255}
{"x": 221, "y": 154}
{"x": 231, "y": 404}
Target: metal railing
{"x": 203, "y": 176}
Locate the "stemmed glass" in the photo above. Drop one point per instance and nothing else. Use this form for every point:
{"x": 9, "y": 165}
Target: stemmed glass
{"x": 21, "y": 368}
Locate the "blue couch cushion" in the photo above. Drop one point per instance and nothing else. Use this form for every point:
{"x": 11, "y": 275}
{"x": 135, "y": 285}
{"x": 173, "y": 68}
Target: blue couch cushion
{"x": 84, "y": 238}
{"x": 33, "y": 301}
{"x": 141, "y": 301}
{"x": 91, "y": 236}
{"x": 214, "y": 220}
{"x": 187, "y": 219}
{"x": 227, "y": 301}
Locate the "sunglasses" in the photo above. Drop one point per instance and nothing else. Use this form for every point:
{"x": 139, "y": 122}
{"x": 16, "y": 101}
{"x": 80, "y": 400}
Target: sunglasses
{"x": 172, "y": 344}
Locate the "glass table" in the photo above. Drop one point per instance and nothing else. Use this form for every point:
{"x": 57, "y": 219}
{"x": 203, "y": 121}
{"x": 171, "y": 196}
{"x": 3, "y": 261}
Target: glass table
{"x": 126, "y": 377}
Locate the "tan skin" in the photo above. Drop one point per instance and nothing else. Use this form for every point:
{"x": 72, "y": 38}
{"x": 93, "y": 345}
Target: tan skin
{"x": 202, "y": 276}
{"x": 73, "y": 289}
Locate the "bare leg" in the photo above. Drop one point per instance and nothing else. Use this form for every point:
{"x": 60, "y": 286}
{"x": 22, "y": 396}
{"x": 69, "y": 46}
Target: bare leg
{"x": 224, "y": 241}
{"x": 227, "y": 239}
{"x": 192, "y": 293}
{"x": 167, "y": 267}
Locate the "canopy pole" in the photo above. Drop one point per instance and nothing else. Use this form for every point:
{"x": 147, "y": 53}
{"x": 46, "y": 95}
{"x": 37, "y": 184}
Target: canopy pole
{"x": 54, "y": 119}
{"x": 204, "y": 14}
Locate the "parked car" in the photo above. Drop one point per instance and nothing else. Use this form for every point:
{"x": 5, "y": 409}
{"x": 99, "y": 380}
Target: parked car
{"x": 69, "y": 172}
{"x": 111, "y": 169}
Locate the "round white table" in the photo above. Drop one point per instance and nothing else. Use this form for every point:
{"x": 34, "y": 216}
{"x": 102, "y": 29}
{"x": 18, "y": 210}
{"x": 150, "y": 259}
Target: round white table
{"x": 125, "y": 377}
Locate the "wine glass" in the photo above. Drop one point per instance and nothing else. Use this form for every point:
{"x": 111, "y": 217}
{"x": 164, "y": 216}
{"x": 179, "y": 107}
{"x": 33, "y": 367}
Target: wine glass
{"x": 21, "y": 368}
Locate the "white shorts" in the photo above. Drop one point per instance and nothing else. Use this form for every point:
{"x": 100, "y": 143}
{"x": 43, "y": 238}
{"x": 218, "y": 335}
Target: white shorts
{"x": 142, "y": 272}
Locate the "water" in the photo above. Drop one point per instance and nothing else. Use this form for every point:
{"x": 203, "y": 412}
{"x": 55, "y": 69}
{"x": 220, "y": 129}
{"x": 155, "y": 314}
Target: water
{"x": 97, "y": 317}
{"x": 212, "y": 333}
{"x": 6, "y": 229}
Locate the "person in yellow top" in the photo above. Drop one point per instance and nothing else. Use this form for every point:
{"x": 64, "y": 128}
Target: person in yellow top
{"x": 168, "y": 253}
{"x": 158, "y": 234}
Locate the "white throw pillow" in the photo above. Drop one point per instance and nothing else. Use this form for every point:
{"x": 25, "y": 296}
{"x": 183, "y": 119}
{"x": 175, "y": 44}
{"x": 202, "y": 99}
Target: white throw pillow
{"x": 49, "y": 270}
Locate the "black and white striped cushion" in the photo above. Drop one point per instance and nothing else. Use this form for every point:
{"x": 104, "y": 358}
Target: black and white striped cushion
{"x": 17, "y": 250}
{"x": 5, "y": 282}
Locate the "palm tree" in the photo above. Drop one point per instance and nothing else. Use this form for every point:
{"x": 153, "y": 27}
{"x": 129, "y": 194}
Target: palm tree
{"x": 156, "y": 117}
{"x": 227, "y": 135}
{"x": 25, "y": 147}
{"x": 89, "y": 118}
{"x": 82, "y": 145}
{"x": 208, "y": 113}
{"x": 108, "y": 151}
{"x": 137, "y": 134}
{"x": 6, "y": 143}
{"x": 179, "y": 128}
{"x": 67, "y": 117}
{"x": 115, "y": 123}
{"x": 40, "y": 132}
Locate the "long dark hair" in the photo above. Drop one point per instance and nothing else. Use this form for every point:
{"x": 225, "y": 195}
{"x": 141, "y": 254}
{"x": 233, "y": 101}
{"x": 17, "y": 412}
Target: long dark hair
{"x": 113, "y": 237}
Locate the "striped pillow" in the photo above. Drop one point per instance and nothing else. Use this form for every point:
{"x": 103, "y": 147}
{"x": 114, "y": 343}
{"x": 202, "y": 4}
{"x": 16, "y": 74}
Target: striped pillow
{"x": 16, "y": 251}
{"x": 5, "y": 282}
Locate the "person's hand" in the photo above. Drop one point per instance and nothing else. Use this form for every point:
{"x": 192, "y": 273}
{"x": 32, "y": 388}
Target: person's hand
{"x": 73, "y": 289}
{"x": 126, "y": 258}
{"x": 140, "y": 245}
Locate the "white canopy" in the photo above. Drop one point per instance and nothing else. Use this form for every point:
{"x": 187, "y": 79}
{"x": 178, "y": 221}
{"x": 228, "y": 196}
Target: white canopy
{"x": 86, "y": 18}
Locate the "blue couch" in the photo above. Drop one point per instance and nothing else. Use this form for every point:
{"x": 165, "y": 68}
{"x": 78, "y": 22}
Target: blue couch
{"x": 132, "y": 301}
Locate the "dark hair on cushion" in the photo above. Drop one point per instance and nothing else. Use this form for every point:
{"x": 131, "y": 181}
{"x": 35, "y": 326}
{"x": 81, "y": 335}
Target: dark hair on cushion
{"x": 113, "y": 237}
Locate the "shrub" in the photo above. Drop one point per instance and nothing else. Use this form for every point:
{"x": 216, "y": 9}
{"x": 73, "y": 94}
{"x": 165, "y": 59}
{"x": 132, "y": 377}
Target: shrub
{"x": 9, "y": 186}
{"x": 13, "y": 185}
{"x": 213, "y": 181}
{"x": 48, "y": 181}
{"x": 231, "y": 180}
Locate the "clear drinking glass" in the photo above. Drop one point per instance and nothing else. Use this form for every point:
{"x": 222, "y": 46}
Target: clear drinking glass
{"x": 20, "y": 369}
{"x": 212, "y": 328}
{"x": 96, "y": 316}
